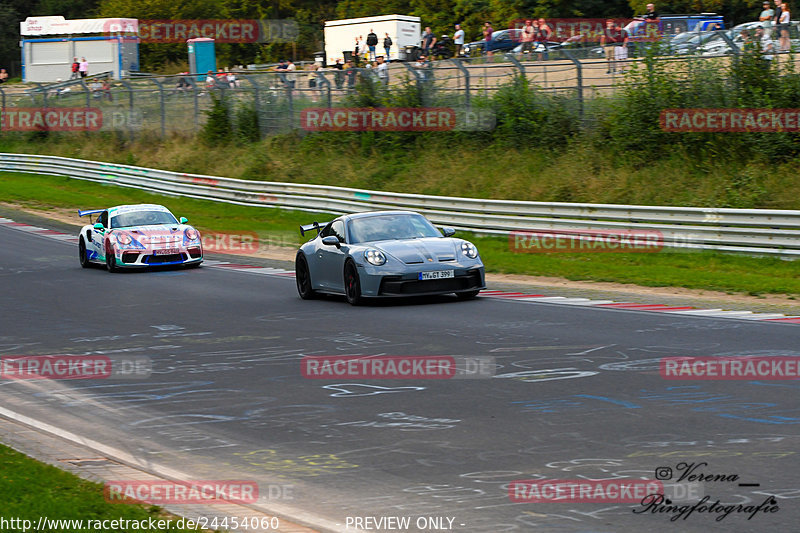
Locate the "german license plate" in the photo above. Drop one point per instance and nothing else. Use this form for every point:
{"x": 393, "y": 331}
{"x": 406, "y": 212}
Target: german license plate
{"x": 437, "y": 274}
{"x": 166, "y": 251}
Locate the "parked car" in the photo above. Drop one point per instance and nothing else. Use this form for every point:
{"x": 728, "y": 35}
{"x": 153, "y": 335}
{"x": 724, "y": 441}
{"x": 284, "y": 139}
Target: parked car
{"x": 502, "y": 41}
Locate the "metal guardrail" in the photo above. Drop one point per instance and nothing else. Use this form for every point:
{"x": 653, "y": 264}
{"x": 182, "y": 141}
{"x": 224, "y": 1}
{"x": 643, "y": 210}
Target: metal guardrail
{"x": 753, "y": 231}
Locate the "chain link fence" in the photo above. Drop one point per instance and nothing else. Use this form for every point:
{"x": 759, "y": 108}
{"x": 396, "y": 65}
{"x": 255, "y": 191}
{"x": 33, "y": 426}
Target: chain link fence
{"x": 166, "y": 105}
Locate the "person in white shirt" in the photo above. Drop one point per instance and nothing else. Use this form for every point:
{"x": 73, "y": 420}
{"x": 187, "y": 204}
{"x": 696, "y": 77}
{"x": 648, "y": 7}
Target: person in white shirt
{"x": 458, "y": 39}
{"x": 382, "y": 70}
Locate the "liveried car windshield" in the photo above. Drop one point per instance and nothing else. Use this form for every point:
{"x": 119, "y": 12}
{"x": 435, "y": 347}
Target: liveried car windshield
{"x": 142, "y": 218}
{"x": 390, "y": 227}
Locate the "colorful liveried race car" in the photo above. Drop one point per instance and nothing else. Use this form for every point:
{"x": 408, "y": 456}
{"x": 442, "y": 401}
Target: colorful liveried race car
{"x": 137, "y": 236}
{"x": 386, "y": 253}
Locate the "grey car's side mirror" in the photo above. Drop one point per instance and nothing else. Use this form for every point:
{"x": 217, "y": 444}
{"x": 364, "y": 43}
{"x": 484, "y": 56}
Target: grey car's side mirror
{"x": 184, "y": 220}
{"x": 331, "y": 240}
{"x": 98, "y": 226}
{"x": 448, "y": 232}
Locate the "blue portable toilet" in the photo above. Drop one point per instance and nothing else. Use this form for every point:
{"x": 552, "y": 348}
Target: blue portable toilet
{"x": 201, "y": 57}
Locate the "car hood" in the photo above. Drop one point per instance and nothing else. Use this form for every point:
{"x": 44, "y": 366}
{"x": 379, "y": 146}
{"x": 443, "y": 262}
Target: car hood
{"x": 414, "y": 251}
{"x": 157, "y": 233}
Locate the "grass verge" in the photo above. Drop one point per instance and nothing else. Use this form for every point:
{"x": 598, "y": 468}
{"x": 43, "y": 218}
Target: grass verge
{"x": 696, "y": 270}
{"x": 30, "y": 490}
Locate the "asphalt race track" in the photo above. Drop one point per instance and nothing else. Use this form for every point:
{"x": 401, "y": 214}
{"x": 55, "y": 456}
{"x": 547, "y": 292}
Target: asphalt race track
{"x": 577, "y": 395}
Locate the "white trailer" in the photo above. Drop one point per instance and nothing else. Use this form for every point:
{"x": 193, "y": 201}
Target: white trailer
{"x": 340, "y": 35}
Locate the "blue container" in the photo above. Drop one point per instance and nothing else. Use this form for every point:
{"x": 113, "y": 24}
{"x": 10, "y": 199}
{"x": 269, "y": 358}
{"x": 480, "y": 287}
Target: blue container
{"x": 202, "y": 57}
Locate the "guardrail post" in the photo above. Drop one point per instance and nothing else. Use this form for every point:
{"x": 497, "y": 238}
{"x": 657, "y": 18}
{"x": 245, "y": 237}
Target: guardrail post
{"x": 579, "y": 80}
{"x": 516, "y": 63}
{"x": 459, "y": 64}
{"x": 162, "y": 108}
{"x": 88, "y": 93}
{"x": 324, "y": 81}
{"x": 129, "y": 87}
{"x": 256, "y": 101}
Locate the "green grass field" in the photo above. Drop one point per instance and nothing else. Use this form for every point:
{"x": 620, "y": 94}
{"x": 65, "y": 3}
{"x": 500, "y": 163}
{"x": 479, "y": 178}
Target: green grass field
{"x": 696, "y": 270}
{"x": 30, "y": 490}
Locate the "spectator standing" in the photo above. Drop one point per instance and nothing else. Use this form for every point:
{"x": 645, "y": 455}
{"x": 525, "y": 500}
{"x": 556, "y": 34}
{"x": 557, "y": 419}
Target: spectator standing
{"x": 487, "y": 37}
{"x": 83, "y": 68}
{"x": 651, "y": 15}
{"x": 281, "y": 70}
{"x": 428, "y": 40}
{"x": 387, "y": 45}
{"x": 230, "y": 77}
{"x": 350, "y": 73}
{"x": 766, "y": 15}
{"x": 211, "y": 81}
{"x": 458, "y": 38}
{"x": 382, "y": 70}
{"x": 372, "y": 43}
{"x": 356, "y": 50}
{"x": 783, "y": 28}
{"x": 291, "y": 77}
{"x": 75, "y": 68}
{"x": 3, "y": 75}
{"x": 526, "y": 37}
{"x": 107, "y": 90}
{"x": 543, "y": 33}
{"x": 613, "y": 38}
{"x": 338, "y": 76}
{"x": 767, "y": 47}
{"x": 777, "y": 12}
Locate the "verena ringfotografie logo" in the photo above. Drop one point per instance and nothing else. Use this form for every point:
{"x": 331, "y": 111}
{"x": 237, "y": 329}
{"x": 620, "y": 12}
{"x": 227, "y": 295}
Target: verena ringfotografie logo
{"x": 397, "y": 367}
{"x": 51, "y": 119}
{"x": 187, "y": 492}
{"x": 585, "y": 241}
{"x": 74, "y": 367}
{"x": 730, "y": 120}
{"x": 396, "y": 119}
{"x": 582, "y": 490}
{"x": 730, "y": 368}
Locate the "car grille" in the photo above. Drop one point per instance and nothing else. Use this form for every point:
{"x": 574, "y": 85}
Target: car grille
{"x": 395, "y": 285}
{"x": 194, "y": 253}
{"x": 161, "y": 259}
{"x": 130, "y": 257}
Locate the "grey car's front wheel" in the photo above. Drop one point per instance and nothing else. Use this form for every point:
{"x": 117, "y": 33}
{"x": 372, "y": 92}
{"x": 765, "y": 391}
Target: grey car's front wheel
{"x": 303, "y": 278}
{"x": 352, "y": 285}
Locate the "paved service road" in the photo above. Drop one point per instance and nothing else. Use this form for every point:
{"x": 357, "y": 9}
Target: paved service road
{"x": 577, "y": 396}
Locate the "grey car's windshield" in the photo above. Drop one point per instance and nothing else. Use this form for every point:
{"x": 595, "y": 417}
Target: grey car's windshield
{"x": 142, "y": 218}
{"x": 390, "y": 227}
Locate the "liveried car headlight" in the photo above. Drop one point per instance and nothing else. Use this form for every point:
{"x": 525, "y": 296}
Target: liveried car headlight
{"x": 123, "y": 238}
{"x": 191, "y": 234}
{"x": 469, "y": 249}
{"x": 375, "y": 257}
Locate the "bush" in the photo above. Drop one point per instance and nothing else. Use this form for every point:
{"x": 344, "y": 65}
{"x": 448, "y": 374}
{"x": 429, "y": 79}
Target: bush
{"x": 217, "y": 129}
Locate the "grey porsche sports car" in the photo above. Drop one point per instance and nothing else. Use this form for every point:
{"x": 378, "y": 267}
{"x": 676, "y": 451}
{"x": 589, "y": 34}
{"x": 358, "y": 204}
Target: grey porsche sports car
{"x": 385, "y": 254}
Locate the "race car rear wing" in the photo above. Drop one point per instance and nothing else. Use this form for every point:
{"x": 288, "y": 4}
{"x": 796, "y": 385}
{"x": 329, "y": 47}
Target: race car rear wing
{"x": 313, "y": 226}
{"x": 90, "y": 212}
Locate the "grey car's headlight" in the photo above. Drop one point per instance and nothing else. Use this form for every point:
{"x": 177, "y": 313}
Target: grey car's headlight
{"x": 468, "y": 249}
{"x": 375, "y": 257}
